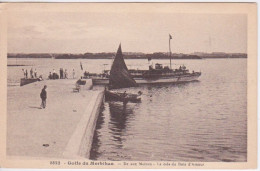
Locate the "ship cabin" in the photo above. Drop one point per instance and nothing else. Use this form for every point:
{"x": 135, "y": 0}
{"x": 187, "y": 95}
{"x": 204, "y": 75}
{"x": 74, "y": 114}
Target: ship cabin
{"x": 159, "y": 70}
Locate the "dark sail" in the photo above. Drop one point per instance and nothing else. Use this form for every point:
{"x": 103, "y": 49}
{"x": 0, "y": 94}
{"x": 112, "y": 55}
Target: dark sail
{"x": 119, "y": 74}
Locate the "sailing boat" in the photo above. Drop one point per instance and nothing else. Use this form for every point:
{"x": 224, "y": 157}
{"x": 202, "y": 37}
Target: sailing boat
{"x": 121, "y": 78}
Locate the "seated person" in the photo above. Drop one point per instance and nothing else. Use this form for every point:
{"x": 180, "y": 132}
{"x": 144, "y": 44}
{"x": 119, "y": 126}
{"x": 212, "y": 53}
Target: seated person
{"x": 50, "y": 76}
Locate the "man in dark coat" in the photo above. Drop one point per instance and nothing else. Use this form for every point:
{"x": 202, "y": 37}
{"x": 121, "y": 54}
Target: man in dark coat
{"x": 61, "y": 73}
{"x": 26, "y": 74}
{"x": 43, "y": 96}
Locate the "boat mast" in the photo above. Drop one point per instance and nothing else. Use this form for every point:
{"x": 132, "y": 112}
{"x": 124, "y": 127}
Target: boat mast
{"x": 170, "y": 37}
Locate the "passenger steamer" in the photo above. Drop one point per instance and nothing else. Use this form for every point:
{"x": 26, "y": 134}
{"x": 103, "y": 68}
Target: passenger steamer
{"x": 159, "y": 74}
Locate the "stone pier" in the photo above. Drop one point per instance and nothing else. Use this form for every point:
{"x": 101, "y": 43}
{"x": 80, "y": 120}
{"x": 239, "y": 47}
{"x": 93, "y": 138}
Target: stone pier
{"x": 64, "y": 129}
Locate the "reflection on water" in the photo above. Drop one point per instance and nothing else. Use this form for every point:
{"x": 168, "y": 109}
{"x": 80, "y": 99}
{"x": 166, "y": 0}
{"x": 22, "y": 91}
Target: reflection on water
{"x": 119, "y": 114}
{"x": 118, "y": 119}
{"x": 197, "y": 121}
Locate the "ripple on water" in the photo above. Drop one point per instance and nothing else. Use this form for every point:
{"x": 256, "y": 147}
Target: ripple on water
{"x": 197, "y": 121}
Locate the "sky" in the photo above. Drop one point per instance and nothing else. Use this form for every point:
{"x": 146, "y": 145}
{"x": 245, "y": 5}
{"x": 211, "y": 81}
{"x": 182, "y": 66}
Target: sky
{"x": 37, "y": 30}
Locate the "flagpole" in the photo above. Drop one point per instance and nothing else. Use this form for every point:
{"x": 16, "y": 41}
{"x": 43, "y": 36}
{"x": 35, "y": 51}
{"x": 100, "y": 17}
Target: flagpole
{"x": 170, "y": 52}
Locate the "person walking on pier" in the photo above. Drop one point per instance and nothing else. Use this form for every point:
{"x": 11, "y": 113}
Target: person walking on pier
{"x": 43, "y": 96}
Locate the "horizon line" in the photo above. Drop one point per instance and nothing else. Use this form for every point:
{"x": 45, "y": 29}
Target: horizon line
{"x": 122, "y": 52}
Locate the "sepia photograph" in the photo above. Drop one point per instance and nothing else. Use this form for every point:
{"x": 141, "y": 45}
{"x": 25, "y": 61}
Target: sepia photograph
{"x": 130, "y": 85}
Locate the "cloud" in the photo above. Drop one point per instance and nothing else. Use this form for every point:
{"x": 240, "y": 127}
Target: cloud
{"x": 76, "y": 32}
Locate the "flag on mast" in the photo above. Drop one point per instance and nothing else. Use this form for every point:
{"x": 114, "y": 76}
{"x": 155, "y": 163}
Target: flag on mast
{"x": 170, "y": 52}
{"x": 81, "y": 66}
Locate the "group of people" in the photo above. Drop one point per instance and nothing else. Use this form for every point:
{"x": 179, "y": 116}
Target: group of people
{"x": 53, "y": 75}
{"x": 182, "y": 67}
{"x": 33, "y": 73}
{"x": 63, "y": 74}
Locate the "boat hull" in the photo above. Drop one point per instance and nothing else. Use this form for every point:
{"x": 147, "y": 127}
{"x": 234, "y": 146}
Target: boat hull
{"x": 175, "y": 79}
{"x": 25, "y": 81}
{"x": 100, "y": 81}
{"x": 114, "y": 96}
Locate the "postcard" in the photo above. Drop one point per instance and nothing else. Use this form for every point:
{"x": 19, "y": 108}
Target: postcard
{"x": 128, "y": 85}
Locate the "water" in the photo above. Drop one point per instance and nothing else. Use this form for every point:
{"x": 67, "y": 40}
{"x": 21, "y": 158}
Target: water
{"x": 197, "y": 121}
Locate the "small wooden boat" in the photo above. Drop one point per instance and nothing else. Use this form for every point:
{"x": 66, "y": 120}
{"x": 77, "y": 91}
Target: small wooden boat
{"x": 120, "y": 78}
{"x": 25, "y": 81}
{"x": 123, "y": 97}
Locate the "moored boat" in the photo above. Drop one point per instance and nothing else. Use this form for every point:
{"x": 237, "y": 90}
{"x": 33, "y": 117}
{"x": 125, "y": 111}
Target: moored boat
{"x": 25, "y": 81}
{"x": 167, "y": 77}
{"x": 123, "y": 97}
{"x": 170, "y": 79}
{"x": 120, "y": 78}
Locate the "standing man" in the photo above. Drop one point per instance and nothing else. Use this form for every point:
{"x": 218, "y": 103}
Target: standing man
{"x": 35, "y": 73}
{"x": 43, "y": 97}
{"x": 66, "y": 74}
{"x": 31, "y": 73}
{"x": 61, "y": 73}
{"x": 73, "y": 73}
{"x": 26, "y": 74}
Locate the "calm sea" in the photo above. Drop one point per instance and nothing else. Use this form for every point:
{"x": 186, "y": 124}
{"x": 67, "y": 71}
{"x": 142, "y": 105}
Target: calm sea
{"x": 197, "y": 121}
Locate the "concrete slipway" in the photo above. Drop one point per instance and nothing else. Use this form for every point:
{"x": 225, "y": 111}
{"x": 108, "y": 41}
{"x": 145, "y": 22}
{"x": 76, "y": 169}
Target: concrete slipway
{"x": 64, "y": 129}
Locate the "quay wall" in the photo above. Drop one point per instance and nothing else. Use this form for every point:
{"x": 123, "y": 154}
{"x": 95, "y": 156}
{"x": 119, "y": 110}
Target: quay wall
{"x": 80, "y": 143}
{"x": 87, "y": 139}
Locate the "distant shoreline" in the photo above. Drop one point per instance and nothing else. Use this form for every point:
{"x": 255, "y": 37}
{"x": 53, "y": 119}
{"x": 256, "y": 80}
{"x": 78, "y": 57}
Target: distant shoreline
{"x": 10, "y": 65}
{"x": 129, "y": 55}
